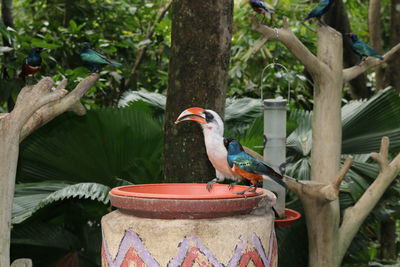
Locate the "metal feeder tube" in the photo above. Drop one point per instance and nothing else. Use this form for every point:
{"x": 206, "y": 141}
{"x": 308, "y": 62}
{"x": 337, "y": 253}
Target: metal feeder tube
{"x": 275, "y": 147}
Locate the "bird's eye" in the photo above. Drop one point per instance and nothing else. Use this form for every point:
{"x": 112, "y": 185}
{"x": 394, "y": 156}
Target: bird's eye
{"x": 209, "y": 116}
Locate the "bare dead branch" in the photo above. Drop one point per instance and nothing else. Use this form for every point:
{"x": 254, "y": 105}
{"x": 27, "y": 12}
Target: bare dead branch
{"x": 354, "y": 216}
{"x": 343, "y": 171}
{"x": 255, "y": 48}
{"x": 68, "y": 102}
{"x": 382, "y": 156}
{"x": 289, "y": 39}
{"x": 353, "y": 72}
{"x": 33, "y": 98}
{"x": 78, "y": 109}
{"x": 312, "y": 189}
{"x": 150, "y": 31}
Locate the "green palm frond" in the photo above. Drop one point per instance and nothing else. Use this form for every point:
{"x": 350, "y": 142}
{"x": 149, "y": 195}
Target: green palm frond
{"x": 30, "y": 197}
{"x": 365, "y": 122}
{"x": 99, "y": 147}
{"x": 239, "y": 112}
{"x": 154, "y": 99}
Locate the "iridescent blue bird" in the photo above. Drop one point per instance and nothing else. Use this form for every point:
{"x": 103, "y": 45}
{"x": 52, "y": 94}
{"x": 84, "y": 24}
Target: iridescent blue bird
{"x": 94, "y": 60}
{"x": 32, "y": 63}
{"x": 361, "y": 48}
{"x": 260, "y": 7}
{"x": 249, "y": 167}
{"x": 320, "y": 9}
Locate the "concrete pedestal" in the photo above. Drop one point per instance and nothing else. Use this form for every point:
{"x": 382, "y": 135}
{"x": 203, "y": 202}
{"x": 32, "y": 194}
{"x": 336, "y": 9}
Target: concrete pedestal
{"x": 244, "y": 240}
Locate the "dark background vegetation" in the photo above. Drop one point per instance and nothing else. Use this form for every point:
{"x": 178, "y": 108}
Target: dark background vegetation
{"x": 67, "y": 168}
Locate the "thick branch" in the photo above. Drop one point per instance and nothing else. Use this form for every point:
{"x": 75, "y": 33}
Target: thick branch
{"x": 289, "y": 39}
{"x": 352, "y": 72}
{"x": 374, "y": 25}
{"x": 320, "y": 191}
{"x": 311, "y": 189}
{"x": 69, "y": 102}
{"x": 33, "y": 98}
{"x": 354, "y": 216}
{"x": 375, "y": 37}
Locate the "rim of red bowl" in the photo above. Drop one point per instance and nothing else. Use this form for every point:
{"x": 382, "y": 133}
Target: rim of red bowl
{"x": 291, "y": 216}
{"x": 176, "y": 191}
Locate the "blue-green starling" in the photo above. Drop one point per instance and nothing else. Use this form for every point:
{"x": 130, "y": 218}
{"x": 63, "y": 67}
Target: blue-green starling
{"x": 249, "y": 167}
{"x": 320, "y": 9}
{"x": 361, "y": 48}
{"x": 94, "y": 60}
{"x": 32, "y": 63}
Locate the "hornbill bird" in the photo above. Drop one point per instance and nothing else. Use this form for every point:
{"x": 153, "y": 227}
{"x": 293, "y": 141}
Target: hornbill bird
{"x": 213, "y": 131}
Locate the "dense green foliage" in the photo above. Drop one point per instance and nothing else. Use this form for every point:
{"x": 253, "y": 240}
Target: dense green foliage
{"x": 118, "y": 29}
{"x": 67, "y": 168}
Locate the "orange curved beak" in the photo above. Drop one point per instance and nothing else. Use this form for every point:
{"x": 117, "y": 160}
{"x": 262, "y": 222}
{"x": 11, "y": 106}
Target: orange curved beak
{"x": 192, "y": 114}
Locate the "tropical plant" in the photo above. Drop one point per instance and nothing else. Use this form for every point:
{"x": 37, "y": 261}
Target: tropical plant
{"x": 364, "y": 124}
{"x": 66, "y": 170}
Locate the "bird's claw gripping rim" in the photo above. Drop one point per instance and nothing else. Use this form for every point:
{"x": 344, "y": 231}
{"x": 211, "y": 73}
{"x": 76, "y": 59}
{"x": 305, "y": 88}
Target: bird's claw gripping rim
{"x": 230, "y": 186}
{"x": 243, "y": 193}
{"x": 210, "y": 185}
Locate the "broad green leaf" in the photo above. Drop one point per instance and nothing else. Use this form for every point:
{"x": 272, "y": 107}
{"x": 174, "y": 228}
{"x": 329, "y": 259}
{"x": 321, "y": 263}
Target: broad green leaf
{"x": 43, "y": 44}
{"x": 30, "y": 197}
{"x": 98, "y": 147}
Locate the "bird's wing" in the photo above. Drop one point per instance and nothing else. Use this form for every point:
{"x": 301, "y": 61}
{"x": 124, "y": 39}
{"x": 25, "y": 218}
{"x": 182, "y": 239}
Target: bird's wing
{"x": 94, "y": 57}
{"x": 264, "y": 6}
{"x": 250, "y": 164}
{"x": 364, "y": 49}
{"x": 319, "y": 7}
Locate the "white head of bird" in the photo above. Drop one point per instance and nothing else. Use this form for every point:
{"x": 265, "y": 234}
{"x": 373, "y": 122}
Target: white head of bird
{"x": 213, "y": 130}
{"x": 208, "y": 119}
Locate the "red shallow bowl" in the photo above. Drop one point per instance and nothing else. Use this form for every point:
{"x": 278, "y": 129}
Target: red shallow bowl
{"x": 181, "y": 191}
{"x": 186, "y": 201}
{"x": 291, "y": 216}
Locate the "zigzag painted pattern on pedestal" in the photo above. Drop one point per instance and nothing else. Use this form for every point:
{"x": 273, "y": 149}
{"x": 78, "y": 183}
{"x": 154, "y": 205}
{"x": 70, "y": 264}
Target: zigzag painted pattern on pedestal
{"x": 191, "y": 251}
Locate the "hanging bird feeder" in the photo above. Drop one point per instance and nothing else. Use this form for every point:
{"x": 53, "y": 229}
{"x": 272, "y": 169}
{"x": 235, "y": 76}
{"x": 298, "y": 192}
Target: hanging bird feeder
{"x": 275, "y": 117}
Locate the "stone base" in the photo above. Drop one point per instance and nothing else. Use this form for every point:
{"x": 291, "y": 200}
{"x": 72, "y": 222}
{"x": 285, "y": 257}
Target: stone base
{"x": 247, "y": 240}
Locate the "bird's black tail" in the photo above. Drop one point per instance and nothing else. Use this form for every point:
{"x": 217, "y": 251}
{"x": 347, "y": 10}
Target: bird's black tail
{"x": 276, "y": 177}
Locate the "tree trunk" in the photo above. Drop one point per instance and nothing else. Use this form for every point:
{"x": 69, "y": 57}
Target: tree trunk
{"x": 393, "y": 70}
{"x": 6, "y": 12}
{"x": 67, "y": 12}
{"x": 338, "y": 19}
{"x": 388, "y": 239}
{"x": 35, "y": 106}
{"x": 327, "y": 241}
{"x": 323, "y": 217}
{"x": 198, "y": 76}
{"x": 8, "y": 20}
{"x": 375, "y": 38}
{"x": 8, "y": 166}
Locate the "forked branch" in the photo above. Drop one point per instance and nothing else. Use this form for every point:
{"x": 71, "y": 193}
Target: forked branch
{"x": 354, "y": 216}
{"x": 311, "y": 189}
{"x": 289, "y": 39}
{"x": 320, "y": 191}
{"x": 70, "y": 101}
